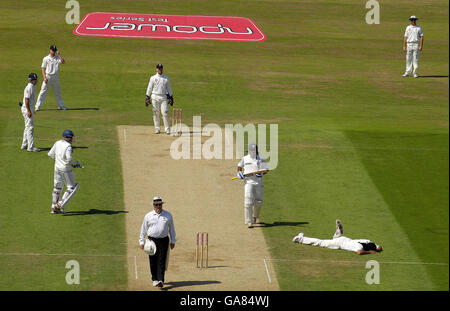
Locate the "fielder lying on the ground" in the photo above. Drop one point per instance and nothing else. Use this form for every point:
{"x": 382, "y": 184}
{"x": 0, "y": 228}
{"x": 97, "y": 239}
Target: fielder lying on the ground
{"x": 359, "y": 246}
{"x": 61, "y": 152}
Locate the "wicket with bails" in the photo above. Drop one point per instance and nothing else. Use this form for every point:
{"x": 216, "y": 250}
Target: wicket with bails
{"x": 201, "y": 252}
{"x": 177, "y": 119}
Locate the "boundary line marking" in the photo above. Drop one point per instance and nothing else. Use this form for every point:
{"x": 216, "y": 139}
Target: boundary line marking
{"x": 135, "y": 267}
{"x": 240, "y": 259}
{"x": 357, "y": 262}
{"x": 267, "y": 270}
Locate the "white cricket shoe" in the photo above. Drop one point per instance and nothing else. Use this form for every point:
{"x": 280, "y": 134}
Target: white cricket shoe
{"x": 405, "y": 74}
{"x": 37, "y": 109}
{"x": 298, "y": 238}
{"x": 23, "y": 147}
{"x": 62, "y": 108}
{"x": 416, "y": 76}
{"x": 157, "y": 131}
{"x": 160, "y": 284}
{"x": 34, "y": 149}
{"x": 155, "y": 283}
{"x": 339, "y": 229}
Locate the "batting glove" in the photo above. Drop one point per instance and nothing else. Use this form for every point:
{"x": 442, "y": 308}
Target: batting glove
{"x": 240, "y": 175}
{"x": 147, "y": 101}
{"x": 170, "y": 98}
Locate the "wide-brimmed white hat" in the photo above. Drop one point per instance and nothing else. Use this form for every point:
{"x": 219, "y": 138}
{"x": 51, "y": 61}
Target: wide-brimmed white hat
{"x": 150, "y": 247}
{"x": 412, "y": 17}
{"x": 157, "y": 200}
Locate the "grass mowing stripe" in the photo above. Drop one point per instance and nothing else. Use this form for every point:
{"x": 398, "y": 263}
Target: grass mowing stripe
{"x": 413, "y": 183}
{"x": 329, "y": 184}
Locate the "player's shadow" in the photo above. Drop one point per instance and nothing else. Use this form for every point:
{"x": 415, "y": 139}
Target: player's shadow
{"x": 433, "y": 76}
{"x": 74, "y": 147}
{"x": 282, "y": 223}
{"x": 172, "y": 285}
{"x": 93, "y": 212}
{"x": 52, "y": 109}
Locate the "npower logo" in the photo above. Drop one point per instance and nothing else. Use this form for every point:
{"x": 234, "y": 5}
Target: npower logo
{"x": 155, "y": 26}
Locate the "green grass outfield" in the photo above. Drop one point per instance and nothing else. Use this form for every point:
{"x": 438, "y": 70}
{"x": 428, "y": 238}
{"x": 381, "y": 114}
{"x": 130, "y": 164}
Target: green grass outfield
{"x": 356, "y": 141}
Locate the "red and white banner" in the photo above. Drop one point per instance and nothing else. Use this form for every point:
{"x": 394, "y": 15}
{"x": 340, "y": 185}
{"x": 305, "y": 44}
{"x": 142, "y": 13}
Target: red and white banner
{"x": 157, "y": 26}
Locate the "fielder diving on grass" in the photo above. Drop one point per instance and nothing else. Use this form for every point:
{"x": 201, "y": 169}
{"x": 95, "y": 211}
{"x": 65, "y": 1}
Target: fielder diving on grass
{"x": 359, "y": 246}
{"x": 61, "y": 152}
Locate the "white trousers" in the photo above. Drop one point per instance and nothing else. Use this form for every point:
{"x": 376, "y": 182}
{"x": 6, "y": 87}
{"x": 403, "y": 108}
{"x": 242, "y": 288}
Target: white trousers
{"x": 64, "y": 177}
{"x": 253, "y": 199}
{"x": 59, "y": 179}
{"x": 341, "y": 242}
{"x": 159, "y": 103}
{"x": 53, "y": 81}
{"x": 28, "y": 132}
{"x": 412, "y": 58}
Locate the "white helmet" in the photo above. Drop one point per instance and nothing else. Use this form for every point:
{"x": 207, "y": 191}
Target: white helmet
{"x": 253, "y": 150}
{"x": 150, "y": 247}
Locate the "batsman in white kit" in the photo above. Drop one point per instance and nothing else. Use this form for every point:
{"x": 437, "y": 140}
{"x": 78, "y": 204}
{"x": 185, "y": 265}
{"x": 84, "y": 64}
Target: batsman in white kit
{"x": 251, "y": 169}
{"x": 29, "y": 97}
{"x": 359, "y": 246}
{"x": 50, "y": 73}
{"x": 61, "y": 152}
{"x": 159, "y": 95}
{"x": 412, "y": 45}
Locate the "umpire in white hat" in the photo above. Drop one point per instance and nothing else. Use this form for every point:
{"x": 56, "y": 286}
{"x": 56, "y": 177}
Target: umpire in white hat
{"x": 412, "y": 45}
{"x": 157, "y": 226}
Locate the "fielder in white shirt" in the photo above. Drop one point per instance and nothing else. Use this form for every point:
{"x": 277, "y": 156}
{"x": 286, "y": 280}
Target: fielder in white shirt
{"x": 359, "y": 246}
{"x": 251, "y": 169}
{"x": 157, "y": 226}
{"x": 50, "y": 73}
{"x": 412, "y": 45}
{"x": 159, "y": 95}
{"x": 61, "y": 152}
{"x": 29, "y": 97}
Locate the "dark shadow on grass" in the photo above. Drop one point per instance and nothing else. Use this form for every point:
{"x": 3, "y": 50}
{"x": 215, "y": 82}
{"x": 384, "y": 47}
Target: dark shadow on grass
{"x": 93, "y": 212}
{"x": 52, "y": 109}
{"x": 282, "y": 223}
{"x": 93, "y": 108}
{"x": 48, "y": 149}
{"x": 433, "y": 76}
{"x": 171, "y": 285}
